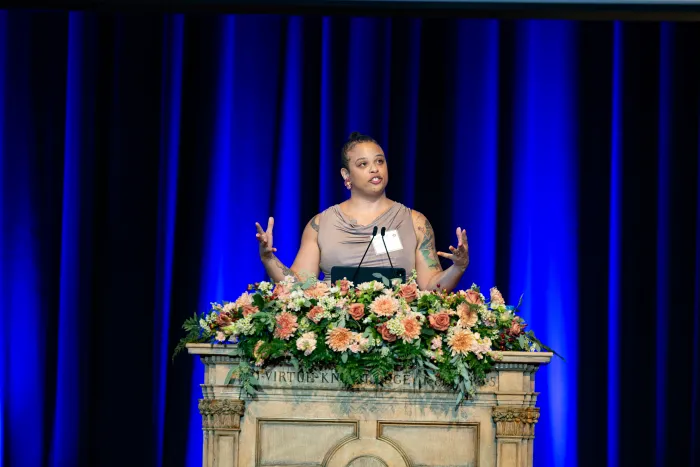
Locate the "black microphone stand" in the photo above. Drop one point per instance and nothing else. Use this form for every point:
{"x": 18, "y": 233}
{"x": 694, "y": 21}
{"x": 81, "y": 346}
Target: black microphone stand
{"x": 374, "y": 234}
{"x": 387, "y": 251}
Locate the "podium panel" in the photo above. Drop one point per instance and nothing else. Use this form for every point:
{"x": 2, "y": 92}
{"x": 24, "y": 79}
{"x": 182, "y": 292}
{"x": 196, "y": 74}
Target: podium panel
{"x": 309, "y": 419}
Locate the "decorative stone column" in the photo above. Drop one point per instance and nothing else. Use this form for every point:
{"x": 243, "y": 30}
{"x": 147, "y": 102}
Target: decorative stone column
{"x": 221, "y": 423}
{"x": 515, "y": 433}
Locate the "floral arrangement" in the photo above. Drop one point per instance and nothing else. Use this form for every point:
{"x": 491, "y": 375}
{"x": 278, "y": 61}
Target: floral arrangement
{"x": 374, "y": 328}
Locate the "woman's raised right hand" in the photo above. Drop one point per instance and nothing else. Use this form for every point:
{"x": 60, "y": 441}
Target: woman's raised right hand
{"x": 265, "y": 239}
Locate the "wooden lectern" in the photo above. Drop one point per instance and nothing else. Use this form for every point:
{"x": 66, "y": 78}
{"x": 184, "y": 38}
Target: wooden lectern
{"x": 311, "y": 420}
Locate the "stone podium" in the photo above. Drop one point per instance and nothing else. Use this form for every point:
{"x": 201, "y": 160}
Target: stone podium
{"x": 311, "y": 420}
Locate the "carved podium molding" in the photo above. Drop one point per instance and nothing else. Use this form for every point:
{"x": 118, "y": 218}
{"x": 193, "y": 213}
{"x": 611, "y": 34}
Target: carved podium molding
{"x": 310, "y": 419}
{"x": 221, "y": 424}
{"x": 515, "y": 432}
{"x": 221, "y": 414}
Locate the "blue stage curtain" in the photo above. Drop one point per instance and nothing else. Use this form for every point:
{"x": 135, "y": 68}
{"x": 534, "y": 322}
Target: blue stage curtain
{"x": 138, "y": 150}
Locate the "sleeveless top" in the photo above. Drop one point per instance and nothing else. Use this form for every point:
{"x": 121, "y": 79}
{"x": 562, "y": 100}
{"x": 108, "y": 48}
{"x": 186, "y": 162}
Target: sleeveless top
{"x": 342, "y": 242}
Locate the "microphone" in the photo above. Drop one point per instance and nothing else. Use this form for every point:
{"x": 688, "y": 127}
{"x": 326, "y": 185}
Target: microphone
{"x": 385, "y": 248}
{"x": 374, "y": 234}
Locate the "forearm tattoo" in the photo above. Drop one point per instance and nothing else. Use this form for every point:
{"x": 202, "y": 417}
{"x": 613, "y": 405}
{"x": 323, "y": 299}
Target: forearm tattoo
{"x": 427, "y": 246}
{"x": 285, "y": 270}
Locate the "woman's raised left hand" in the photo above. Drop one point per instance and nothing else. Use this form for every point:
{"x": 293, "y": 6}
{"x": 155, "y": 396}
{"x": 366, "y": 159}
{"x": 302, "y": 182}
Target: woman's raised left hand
{"x": 459, "y": 255}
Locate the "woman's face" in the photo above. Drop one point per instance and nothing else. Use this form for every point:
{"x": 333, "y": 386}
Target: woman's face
{"x": 368, "y": 171}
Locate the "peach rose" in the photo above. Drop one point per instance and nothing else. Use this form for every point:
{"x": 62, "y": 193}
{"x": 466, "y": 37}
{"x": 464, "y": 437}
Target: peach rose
{"x": 223, "y": 320}
{"x": 409, "y": 292}
{"x": 250, "y": 310}
{"x": 385, "y": 333}
{"x": 473, "y": 297}
{"x": 344, "y": 286}
{"x": 357, "y": 311}
{"x": 439, "y": 321}
{"x": 516, "y": 328}
{"x": 315, "y": 314}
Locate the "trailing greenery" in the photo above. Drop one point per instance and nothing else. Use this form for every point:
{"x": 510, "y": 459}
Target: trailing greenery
{"x": 366, "y": 333}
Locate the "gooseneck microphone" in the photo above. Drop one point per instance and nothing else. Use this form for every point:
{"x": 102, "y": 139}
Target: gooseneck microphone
{"x": 374, "y": 234}
{"x": 386, "y": 249}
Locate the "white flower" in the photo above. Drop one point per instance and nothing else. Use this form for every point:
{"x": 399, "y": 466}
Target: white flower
{"x": 229, "y": 307}
{"x": 304, "y": 324}
{"x": 295, "y": 294}
{"x": 334, "y": 289}
{"x": 307, "y": 342}
{"x": 395, "y": 326}
{"x": 203, "y": 324}
{"x": 384, "y": 352}
{"x": 366, "y": 286}
{"x": 378, "y": 286}
{"x": 328, "y": 302}
{"x": 265, "y": 286}
{"x": 244, "y": 326}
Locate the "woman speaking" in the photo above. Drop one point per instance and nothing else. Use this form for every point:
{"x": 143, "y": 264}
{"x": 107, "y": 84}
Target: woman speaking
{"x": 339, "y": 235}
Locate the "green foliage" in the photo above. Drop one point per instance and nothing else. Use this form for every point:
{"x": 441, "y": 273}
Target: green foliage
{"x": 195, "y": 334}
{"x": 370, "y": 359}
{"x": 447, "y": 373}
{"x": 351, "y": 372}
{"x": 379, "y": 368}
{"x": 407, "y": 353}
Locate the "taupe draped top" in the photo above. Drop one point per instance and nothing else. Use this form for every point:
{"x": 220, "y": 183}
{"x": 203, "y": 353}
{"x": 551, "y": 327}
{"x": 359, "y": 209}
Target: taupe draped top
{"x": 342, "y": 242}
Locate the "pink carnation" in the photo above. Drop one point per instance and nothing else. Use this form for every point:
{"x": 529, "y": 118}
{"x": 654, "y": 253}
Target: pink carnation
{"x": 318, "y": 290}
{"x": 411, "y": 328}
{"x": 286, "y": 325}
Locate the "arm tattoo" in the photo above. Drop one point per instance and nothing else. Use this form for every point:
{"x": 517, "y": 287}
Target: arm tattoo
{"x": 285, "y": 270}
{"x": 314, "y": 224}
{"x": 427, "y": 248}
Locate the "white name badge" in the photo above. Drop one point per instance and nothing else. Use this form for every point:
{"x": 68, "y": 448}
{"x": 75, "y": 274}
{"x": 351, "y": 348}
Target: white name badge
{"x": 392, "y": 240}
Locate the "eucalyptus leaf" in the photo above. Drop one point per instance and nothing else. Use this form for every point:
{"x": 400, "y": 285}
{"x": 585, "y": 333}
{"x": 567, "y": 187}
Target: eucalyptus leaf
{"x": 229, "y": 376}
{"x": 429, "y": 364}
{"x": 522, "y": 340}
{"x": 344, "y": 357}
